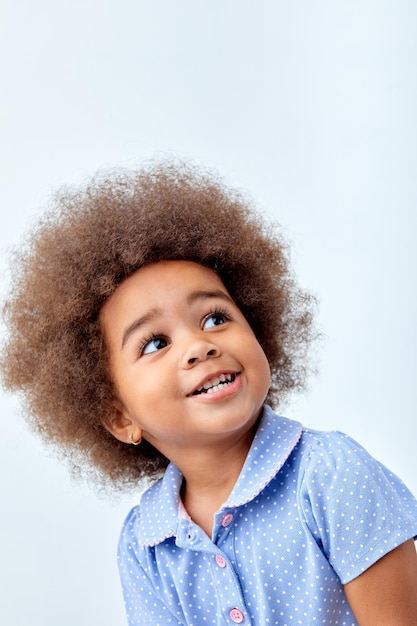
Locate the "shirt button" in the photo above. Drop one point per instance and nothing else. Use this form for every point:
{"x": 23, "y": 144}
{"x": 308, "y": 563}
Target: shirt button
{"x": 236, "y": 616}
{"x": 227, "y": 519}
{"x": 221, "y": 562}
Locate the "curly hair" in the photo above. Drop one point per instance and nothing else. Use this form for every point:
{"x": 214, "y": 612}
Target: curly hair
{"x": 86, "y": 244}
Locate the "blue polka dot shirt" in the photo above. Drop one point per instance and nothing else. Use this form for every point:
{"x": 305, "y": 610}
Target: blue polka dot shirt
{"x": 309, "y": 512}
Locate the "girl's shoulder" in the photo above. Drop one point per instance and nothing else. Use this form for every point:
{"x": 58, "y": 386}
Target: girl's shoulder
{"x": 356, "y": 509}
{"x": 335, "y": 450}
{"x": 337, "y": 461}
{"x": 332, "y": 444}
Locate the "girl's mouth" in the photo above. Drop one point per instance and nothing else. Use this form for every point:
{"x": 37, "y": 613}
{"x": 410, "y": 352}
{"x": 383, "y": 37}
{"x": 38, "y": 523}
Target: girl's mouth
{"x": 215, "y": 384}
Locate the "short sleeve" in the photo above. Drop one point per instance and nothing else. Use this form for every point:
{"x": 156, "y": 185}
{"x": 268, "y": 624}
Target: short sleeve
{"x": 143, "y": 603}
{"x": 356, "y": 509}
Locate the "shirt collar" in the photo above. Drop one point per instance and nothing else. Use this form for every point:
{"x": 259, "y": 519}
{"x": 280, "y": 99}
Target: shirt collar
{"x": 274, "y": 441}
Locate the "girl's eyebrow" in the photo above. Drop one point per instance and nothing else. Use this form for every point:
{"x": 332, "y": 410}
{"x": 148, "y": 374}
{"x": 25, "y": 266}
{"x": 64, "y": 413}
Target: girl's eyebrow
{"x": 137, "y": 323}
{"x": 153, "y": 313}
{"x": 196, "y": 295}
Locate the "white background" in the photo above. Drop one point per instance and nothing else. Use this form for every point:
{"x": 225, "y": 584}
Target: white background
{"x": 308, "y": 105}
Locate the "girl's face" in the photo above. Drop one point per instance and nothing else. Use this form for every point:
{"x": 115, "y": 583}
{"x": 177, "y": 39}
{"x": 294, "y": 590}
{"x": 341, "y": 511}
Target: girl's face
{"x": 187, "y": 368}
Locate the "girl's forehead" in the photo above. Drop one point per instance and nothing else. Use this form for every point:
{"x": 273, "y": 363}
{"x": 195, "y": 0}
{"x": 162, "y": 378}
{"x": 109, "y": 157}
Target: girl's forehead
{"x": 180, "y": 272}
{"x": 157, "y": 280}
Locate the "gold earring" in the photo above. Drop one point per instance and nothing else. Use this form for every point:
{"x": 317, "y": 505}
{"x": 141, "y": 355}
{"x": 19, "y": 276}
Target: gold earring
{"x": 135, "y": 443}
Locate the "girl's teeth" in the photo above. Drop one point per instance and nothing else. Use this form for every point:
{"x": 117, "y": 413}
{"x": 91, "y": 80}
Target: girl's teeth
{"x": 215, "y": 383}
{"x": 211, "y": 383}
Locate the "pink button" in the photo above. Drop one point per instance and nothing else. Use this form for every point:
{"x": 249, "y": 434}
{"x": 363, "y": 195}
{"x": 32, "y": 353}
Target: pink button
{"x": 221, "y": 562}
{"x": 227, "y": 519}
{"x": 236, "y": 616}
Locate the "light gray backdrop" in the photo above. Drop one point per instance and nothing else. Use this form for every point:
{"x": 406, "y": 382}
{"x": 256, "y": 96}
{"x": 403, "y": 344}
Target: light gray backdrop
{"x": 308, "y": 105}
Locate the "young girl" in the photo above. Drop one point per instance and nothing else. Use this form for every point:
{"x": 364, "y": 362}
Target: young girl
{"x": 152, "y": 315}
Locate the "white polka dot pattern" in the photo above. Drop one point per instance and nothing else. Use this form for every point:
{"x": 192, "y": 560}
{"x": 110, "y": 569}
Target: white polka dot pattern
{"x": 309, "y": 512}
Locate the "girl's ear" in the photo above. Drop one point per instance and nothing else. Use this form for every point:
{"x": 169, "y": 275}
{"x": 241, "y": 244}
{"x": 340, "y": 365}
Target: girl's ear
{"x": 120, "y": 425}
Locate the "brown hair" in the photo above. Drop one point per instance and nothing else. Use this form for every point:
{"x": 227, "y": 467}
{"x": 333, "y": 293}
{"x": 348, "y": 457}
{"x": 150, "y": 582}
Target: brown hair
{"x": 89, "y": 241}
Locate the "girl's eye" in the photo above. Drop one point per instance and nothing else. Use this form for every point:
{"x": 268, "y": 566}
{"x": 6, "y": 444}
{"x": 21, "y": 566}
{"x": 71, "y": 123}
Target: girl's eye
{"x": 215, "y": 319}
{"x": 153, "y": 345}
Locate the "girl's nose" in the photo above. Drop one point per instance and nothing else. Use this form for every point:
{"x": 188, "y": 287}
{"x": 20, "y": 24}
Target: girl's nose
{"x": 200, "y": 350}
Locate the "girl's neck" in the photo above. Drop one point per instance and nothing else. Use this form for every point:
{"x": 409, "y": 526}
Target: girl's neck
{"x": 209, "y": 479}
